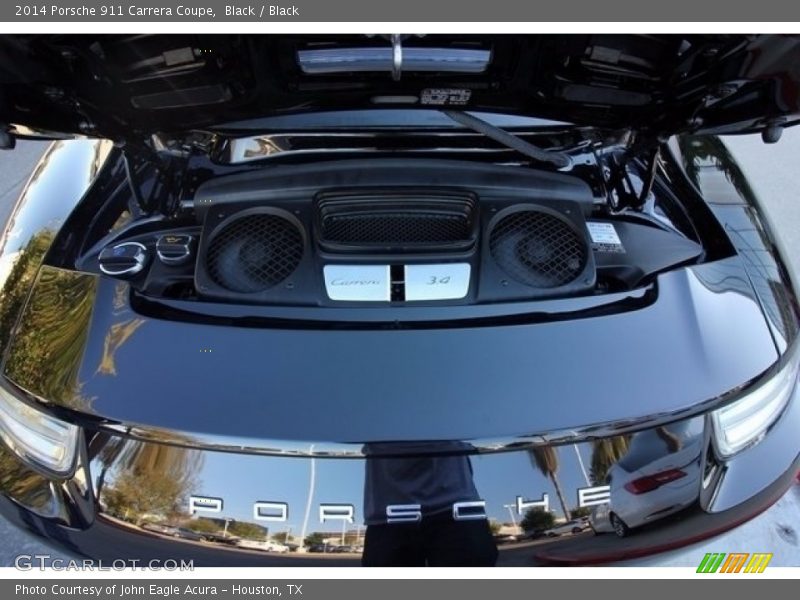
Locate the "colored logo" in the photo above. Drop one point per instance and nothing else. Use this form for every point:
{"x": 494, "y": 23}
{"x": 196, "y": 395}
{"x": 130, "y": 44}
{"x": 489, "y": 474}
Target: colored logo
{"x": 737, "y": 562}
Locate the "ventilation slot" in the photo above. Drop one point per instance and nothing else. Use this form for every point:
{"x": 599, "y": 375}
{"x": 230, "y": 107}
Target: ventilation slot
{"x": 396, "y": 222}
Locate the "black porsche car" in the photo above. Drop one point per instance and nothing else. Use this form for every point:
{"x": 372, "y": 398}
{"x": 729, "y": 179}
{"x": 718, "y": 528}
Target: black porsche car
{"x": 403, "y": 296}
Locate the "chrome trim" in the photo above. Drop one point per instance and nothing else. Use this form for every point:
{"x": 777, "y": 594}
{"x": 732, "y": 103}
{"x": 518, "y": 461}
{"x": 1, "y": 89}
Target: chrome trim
{"x": 392, "y": 59}
{"x": 593, "y": 496}
{"x": 273, "y": 511}
{"x": 205, "y": 504}
{"x": 404, "y": 513}
{"x": 140, "y": 258}
{"x": 470, "y": 515}
{"x": 337, "y": 512}
{"x": 397, "y": 56}
{"x": 175, "y": 260}
{"x": 234, "y": 151}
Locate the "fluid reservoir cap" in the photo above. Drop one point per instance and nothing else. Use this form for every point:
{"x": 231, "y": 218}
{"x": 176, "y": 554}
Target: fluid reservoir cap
{"x": 175, "y": 249}
{"x": 123, "y": 259}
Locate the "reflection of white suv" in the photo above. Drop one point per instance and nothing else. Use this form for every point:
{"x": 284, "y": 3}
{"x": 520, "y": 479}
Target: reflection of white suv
{"x": 276, "y": 547}
{"x": 266, "y": 546}
{"x": 659, "y": 475}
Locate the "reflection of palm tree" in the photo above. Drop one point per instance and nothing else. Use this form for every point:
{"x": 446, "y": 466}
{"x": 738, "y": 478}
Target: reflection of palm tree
{"x": 46, "y": 355}
{"x": 605, "y": 453}
{"x": 116, "y": 336}
{"x": 16, "y": 286}
{"x": 18, "y": 481}
{"x": 545, "y": 458}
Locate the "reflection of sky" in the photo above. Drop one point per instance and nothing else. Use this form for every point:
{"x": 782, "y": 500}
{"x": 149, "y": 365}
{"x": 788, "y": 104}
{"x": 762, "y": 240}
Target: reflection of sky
{"x": 66, "y": 161}
{"x": 242, "y": 480}
{"x": 7, "y": 262}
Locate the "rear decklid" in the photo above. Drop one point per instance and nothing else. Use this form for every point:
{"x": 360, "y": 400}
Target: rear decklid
{"x": 118, "y": 86}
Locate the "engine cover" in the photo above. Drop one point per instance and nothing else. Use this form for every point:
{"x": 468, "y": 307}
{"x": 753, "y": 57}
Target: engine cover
{"x": 393, "y": 232}
{"x": 396, "y": 243}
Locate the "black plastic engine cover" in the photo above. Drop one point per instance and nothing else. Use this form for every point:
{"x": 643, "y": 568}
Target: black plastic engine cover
{"x": 393, "y": 214}
{"x": 643, "y": 250}
{"x": 297, "y": 184}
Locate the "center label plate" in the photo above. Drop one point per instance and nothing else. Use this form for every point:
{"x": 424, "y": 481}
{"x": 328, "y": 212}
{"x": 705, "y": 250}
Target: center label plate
{"x": 449, "y": 281}
{"x": 358, "y": 283}
{"x": 373, "y": 283}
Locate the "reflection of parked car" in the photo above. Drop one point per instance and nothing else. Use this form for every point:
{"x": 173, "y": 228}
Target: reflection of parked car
{"x": 252, "y": 544}
{"x": 266, "y": 546}
{"x": 187, "y": 534}
{"x": 659, "y": 476}
{"x": 277, "y": 547}
{"x": 220, "y": 538}
{"x": 159, "y": 528}
{"x": 345, "y": 549}
{"x": 570, "y": 527}
{"x": 505, "y": 538}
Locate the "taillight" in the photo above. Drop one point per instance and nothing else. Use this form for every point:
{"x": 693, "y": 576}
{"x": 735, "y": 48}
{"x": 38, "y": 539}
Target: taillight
{"x": 653, "y": 482}
{"x": 37, "y": 437}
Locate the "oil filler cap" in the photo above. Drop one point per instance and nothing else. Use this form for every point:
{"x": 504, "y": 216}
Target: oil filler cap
{"x": 124, "y": 259}
{"x": 174, "y": 249}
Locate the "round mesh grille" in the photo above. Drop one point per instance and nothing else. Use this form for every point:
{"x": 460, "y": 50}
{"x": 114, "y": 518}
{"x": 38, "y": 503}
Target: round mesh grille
{"x": 538, "y": 249}
{"x": 254, "y": 252}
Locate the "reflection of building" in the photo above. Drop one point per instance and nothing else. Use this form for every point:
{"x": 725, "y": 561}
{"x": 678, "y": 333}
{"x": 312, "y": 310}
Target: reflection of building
{"x": 350, "y": 537}
{"x": 711, "y": 167}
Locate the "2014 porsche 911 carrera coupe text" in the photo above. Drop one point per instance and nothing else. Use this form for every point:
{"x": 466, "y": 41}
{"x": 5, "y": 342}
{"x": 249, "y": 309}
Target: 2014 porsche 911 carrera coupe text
{"x": 393, "y": 300}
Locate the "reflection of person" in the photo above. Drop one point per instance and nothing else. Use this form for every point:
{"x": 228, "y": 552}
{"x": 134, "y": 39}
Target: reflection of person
{"x": 651, "y": 445}
{"x": 672, "y": 440}
{"x": 423, "y": 489}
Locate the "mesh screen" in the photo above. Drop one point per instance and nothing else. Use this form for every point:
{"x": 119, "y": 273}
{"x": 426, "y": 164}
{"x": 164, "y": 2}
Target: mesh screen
{"x": 538, "y": 249}
{"x": 254, "y": 253}
{"x": 395, "y": 228}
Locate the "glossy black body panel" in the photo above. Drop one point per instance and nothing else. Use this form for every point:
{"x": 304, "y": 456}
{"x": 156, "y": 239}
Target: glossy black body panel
{"x": 57, "y": 184}
{"x": 250, "y": 408}
{"x": 127, "y": 497}
{"x": 401, "y": 384}
{"x": 715, "y": 174}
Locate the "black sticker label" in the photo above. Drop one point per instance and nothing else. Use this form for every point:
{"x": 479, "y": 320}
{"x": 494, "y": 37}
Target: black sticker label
{"x": 445, "y": 96}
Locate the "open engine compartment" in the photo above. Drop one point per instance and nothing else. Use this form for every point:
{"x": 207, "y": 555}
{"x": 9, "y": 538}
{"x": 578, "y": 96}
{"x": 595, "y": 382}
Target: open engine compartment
{"x": 388, "y": 232}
